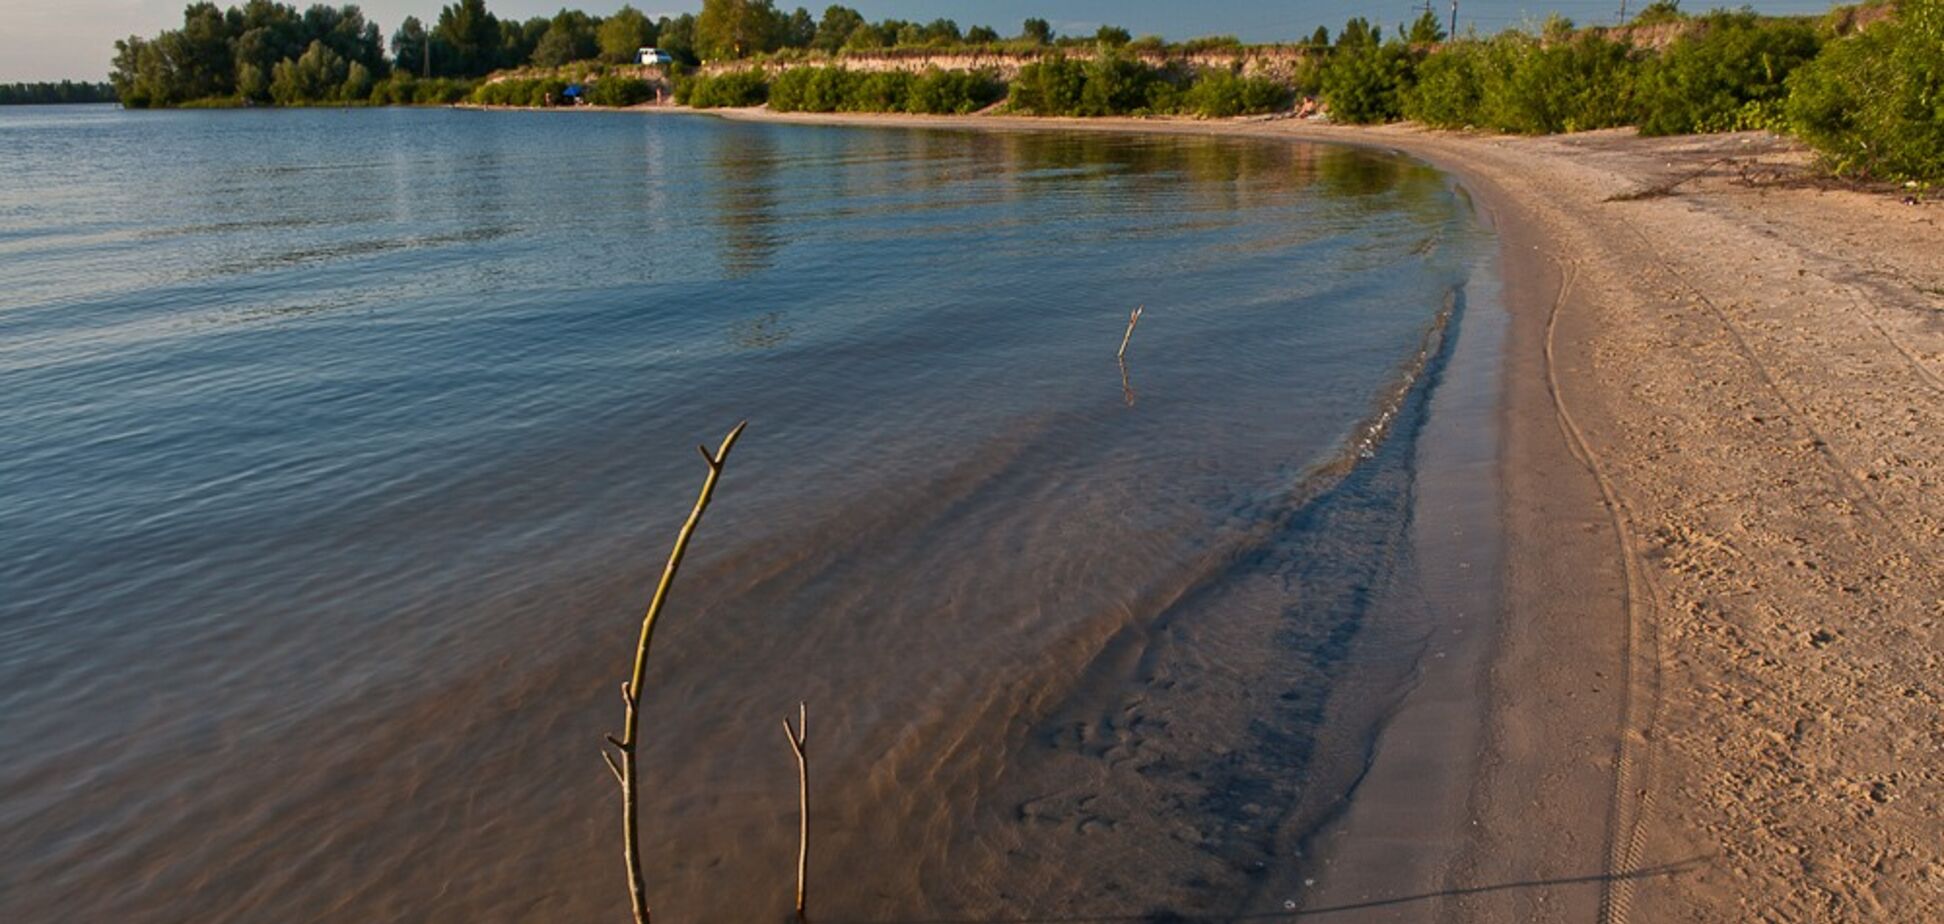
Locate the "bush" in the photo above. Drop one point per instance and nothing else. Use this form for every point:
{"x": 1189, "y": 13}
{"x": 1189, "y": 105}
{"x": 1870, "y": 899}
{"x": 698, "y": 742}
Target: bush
{"x": 1450, "y": 88}
{"x": 620, "y": 91}
{"x": 538, "y": 91}
{"x": 1873, "y": 103}
{"x": 1049, "y": 86}
{"x": 942, "y": 92}
{"x": 811, "y": 89}
{"x": 730, "y": 89}
{"x": 883, "y": 91}
{"x": 1727, "y": 74}
{"x": 1220, "y": 94}
{"x": 440, "y": 91}
{"x": 1366, "y": 82}
{"x": 1110, "y": 84}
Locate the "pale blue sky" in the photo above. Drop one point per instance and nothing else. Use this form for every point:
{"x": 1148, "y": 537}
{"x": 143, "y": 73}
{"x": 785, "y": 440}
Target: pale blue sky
{"x": 55, "y": 39}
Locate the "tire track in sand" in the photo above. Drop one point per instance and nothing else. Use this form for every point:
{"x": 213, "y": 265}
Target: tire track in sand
{"x": 1633, "y": 758}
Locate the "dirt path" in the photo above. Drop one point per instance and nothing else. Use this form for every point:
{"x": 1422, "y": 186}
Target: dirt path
{"x": 1717, "y": 693}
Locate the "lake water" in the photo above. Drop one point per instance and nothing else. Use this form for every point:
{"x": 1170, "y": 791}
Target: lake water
{"x": 342, "y": 450}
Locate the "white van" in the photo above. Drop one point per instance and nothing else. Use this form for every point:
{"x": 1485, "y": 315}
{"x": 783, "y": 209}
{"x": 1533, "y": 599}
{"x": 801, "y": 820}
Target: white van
{"x": 653, "y": 56}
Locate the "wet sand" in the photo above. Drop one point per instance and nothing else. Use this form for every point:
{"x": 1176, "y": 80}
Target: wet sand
{"x": 1713, "y": 693}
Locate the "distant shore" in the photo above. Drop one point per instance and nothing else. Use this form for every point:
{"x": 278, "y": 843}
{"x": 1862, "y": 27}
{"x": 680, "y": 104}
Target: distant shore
{"x": 1722, "y": 422}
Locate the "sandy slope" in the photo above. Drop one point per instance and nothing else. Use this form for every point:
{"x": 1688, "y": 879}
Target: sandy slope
{"x": 1718, "y": 693}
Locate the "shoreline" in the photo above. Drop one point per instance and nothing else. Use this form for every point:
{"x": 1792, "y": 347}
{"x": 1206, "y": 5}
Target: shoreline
{"x": 1712, "y": 692}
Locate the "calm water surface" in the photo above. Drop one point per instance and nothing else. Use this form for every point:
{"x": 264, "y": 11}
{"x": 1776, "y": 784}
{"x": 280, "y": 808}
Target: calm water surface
{"x": 341, "y": 450}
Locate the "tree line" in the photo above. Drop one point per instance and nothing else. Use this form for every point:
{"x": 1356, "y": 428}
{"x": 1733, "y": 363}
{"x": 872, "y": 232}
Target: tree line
{"x": 265, "y": 52}
{"x": 66, "y": 91}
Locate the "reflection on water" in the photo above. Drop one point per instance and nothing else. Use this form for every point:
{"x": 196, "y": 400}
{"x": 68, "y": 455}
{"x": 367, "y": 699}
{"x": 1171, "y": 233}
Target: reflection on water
{"x": 743, "y": 187}
{"x": 319, "y": 616}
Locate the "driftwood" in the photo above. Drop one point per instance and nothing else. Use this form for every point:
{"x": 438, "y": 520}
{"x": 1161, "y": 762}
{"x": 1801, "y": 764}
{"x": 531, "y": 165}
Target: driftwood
{"x": 627, "y": 773}
{"x": 1132, "y": 319}
{"x": 796, "y": 736}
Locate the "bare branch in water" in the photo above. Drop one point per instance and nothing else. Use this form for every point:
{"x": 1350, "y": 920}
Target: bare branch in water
{"x": 796, "y": 736}
{"x": 628, "y": 773}
{"x": 1132, "y": 319}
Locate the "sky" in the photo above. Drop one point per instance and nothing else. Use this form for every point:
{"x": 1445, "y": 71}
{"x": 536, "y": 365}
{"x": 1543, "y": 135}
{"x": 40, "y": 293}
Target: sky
{"x": 75, "y": 39}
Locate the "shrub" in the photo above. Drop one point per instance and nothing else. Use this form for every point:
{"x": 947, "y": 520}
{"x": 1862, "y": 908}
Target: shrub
{"x": 883, "y": 91}
{"x": 1725, "y": 75}
{"x": 1450, "y": 87}
{"x": 441, "y": 91}
{"x": 1873, "y": 103}
{"x": 1049, "y": 86}
{"x": 1116, "y": 85}
{"x": 1219, "y": 94}
{"x": 620, "y": 91}
{"x": 1366, "y": 82}
{"x": 811, "y": 89}
{"x": 942, "y": 92}
{"x": 730, "y": 89}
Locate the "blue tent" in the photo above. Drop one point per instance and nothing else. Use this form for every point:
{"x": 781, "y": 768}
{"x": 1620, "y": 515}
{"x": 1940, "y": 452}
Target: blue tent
{"x": 573, "y": 91}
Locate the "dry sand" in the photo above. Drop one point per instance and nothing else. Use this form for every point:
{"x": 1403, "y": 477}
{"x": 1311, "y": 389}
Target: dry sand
{"x": 1717, "y": 691}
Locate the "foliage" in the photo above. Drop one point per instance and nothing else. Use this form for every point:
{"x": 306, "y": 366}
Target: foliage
{"x": 1724, "y": 75}
{"x": 1514, "y": 83}
{"x": 1427, "y": 29}
{"x": 1221, "y": 94}
{"x": 1049, "y": 86}
{"x": 1366, "y": 82}
{"x": 1873, "y": 103}
{"x": 726, "y": 90}
{"x": 1659, "y": 12}
{"x": 66, "y": 91}
{"x": 234, "y": 53}
{"x": 942, "y": 92}
{"x": 737, "y": 28}
{"x": 533, "y": 91}
{"x": 624, "y": 33}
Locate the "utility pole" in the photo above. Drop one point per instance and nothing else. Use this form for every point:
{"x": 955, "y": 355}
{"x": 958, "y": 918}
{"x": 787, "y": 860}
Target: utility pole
{"x": 1623, "y": 12}
{"x": 428, "y": 53}
{"x": 1454, "y": 19}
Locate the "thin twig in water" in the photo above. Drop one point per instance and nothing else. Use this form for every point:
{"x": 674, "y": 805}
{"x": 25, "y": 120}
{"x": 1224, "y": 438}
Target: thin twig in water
{"x": 796, "y": 736}
{"x": 1132, "y": 319}
{"x": 627, "y": 773}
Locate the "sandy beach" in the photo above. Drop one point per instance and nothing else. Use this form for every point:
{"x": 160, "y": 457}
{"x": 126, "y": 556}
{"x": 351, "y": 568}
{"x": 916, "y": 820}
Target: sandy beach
{"x": 1714, "y": 690}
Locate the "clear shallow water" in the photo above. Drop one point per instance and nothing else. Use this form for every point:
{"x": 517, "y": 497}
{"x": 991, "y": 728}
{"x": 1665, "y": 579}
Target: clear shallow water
{"x": 343, "y": 448}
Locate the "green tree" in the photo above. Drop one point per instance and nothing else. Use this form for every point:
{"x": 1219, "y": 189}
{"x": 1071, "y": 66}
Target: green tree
{"x": 982, "y": 35}
{"x": 1037, "y": 31}
{"x": 736, "y": 28}
{"x": 471, "y": 37}
{"x": 1113, "y": 36}
{"x": 677, "y": 37}
{"x": 1425, "y": 30}
{"x": 799, "y": 29}
{"x": 1358, "y": 33}
{"x": 623, "y": 34}
{"x": 836, "y": 28}
{"x": 318, "y": 75}
{"x": 570, "y": 37}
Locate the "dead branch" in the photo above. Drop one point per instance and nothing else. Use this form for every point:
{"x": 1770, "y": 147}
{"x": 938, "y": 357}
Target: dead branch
{"x": 796, "y": 736}
{"x": 628, "y": 773}
{"x": 1667, "y": 187}
{"x": 1132, "y": 319}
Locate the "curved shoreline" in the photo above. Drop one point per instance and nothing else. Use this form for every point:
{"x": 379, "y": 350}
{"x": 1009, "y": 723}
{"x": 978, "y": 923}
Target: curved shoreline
{"x": 1712, "y": 693}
